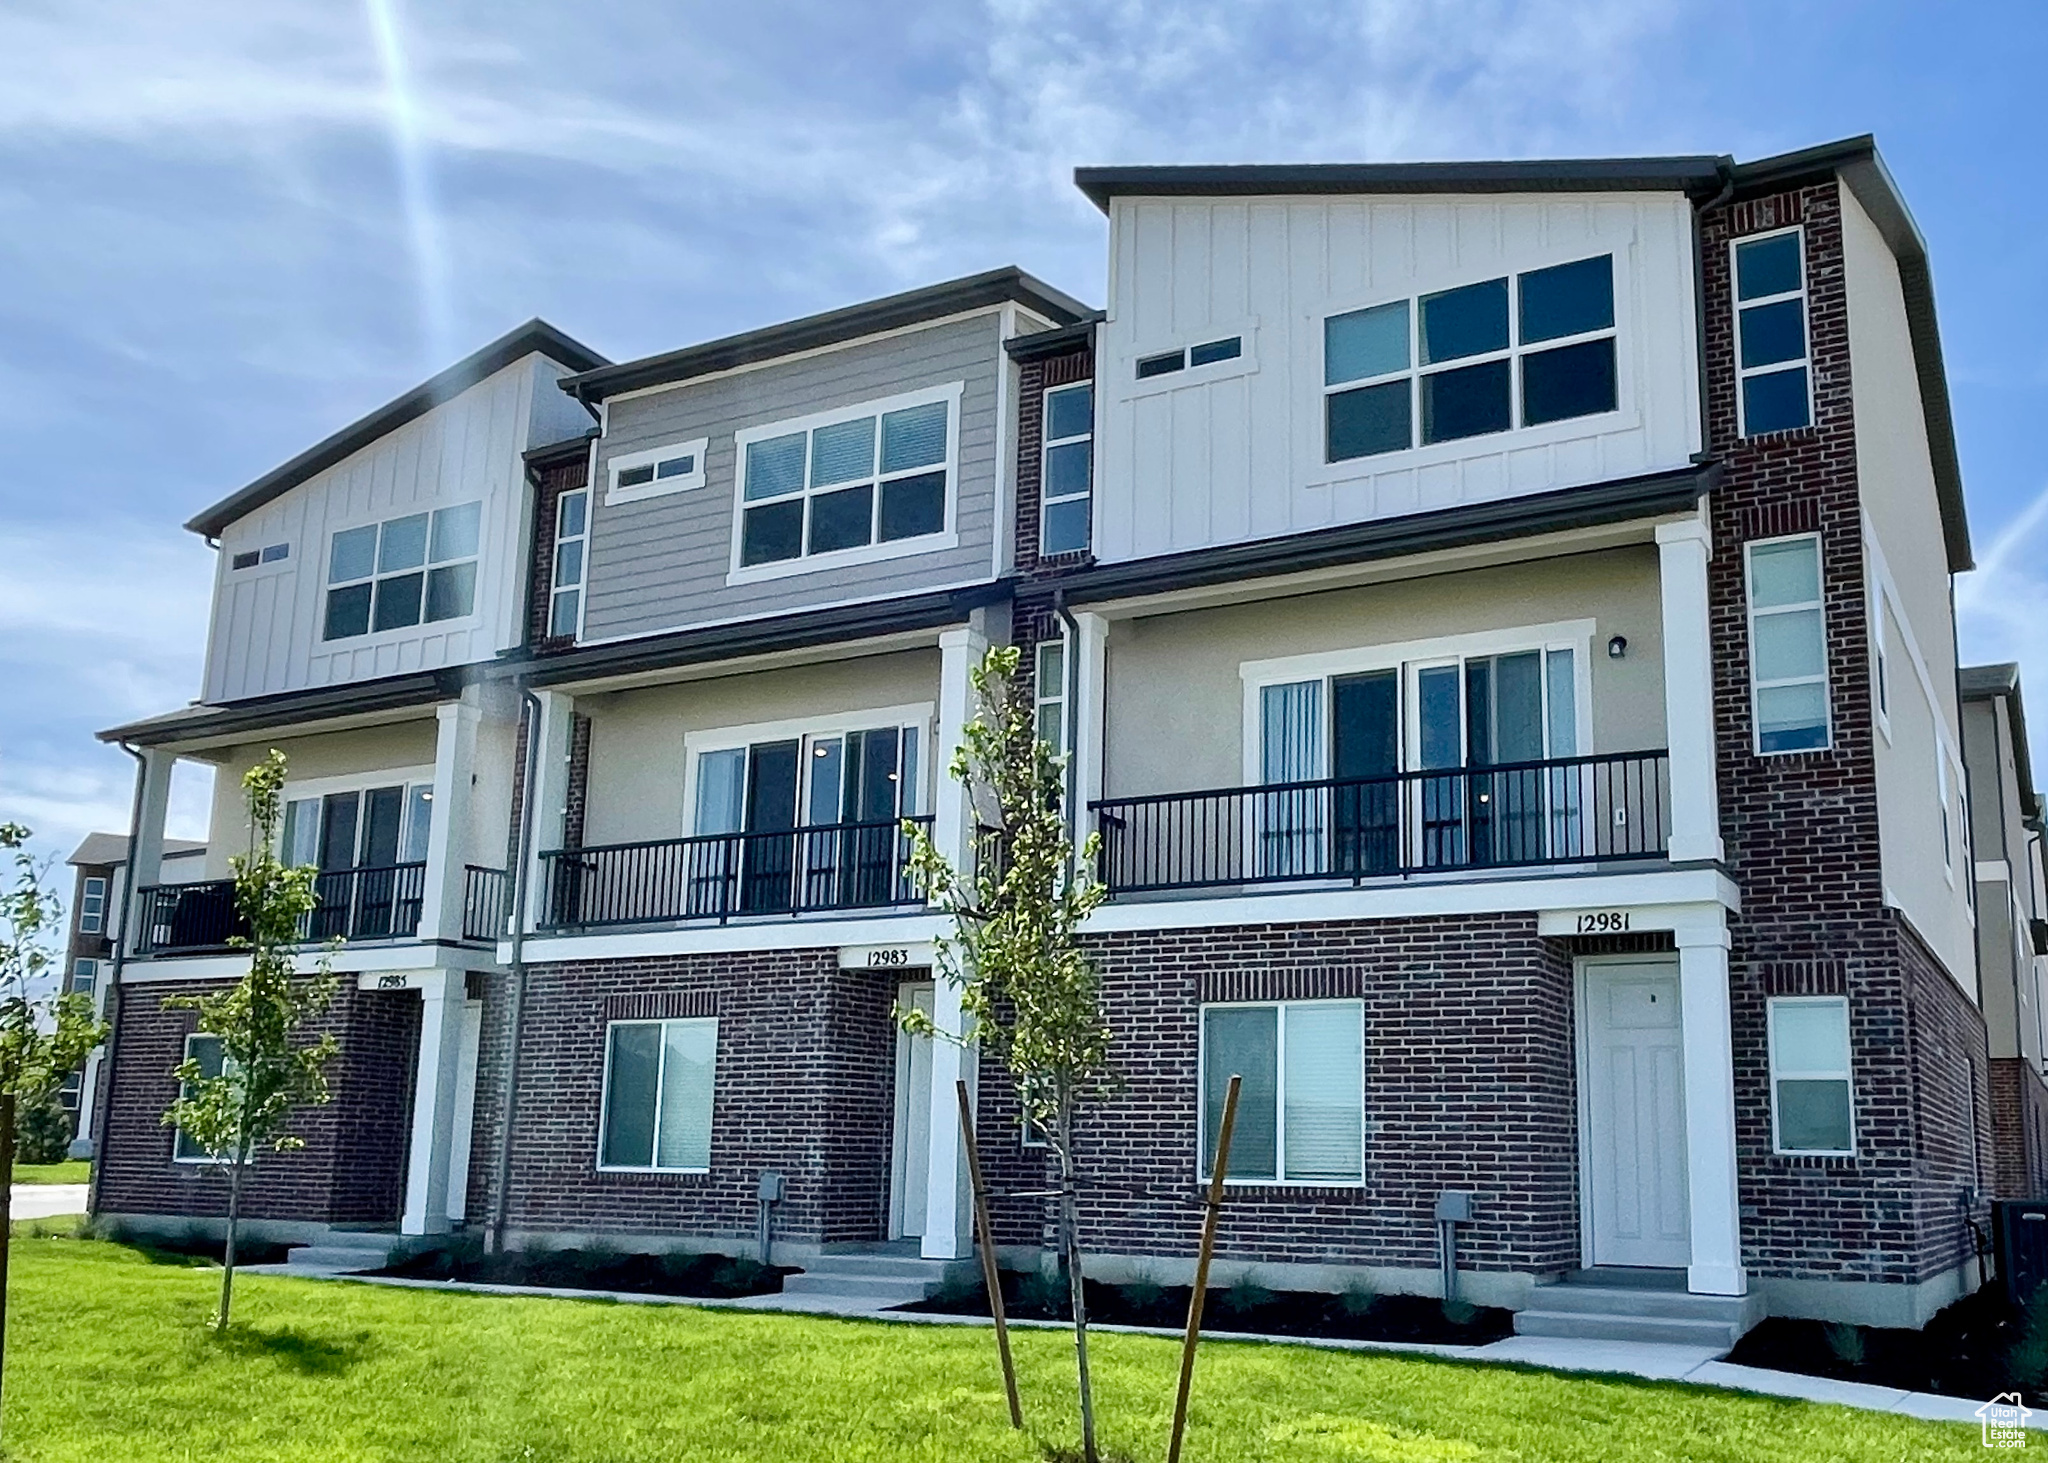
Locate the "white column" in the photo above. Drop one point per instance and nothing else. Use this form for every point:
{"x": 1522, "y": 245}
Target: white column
{"x": 433, "y": 1102}
{"x": 548, "y": 799}
{"x": 1090, "y": 716}
{"x": 1682, "y": 552}
{"x": 88, "y": 1084}
{"x": 146, "y": 849}
{"x": 949, "y": 1212}
{"x": 462, "y": 1131}
{"x": 448, "y": 831}
{"x": 1716, "y": 1217}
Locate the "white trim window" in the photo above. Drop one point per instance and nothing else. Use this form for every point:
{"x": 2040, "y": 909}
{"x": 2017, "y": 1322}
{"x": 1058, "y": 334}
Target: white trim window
{"x": 1189, "y": 358}
{"x": 655, "y": 471}
{"x": 1773, "y": 367}
{"x": 364, "y": 822}
{"x": 869, "y": 482}
{"x": 92, "y": 906}
{"x": 1067, "y": 470}
{"x": 419, "y": 569}
{"x": 1445, "y": 366}
{"x": 268, "y": 554}
{"x": 658, "y": 1086}
{"x": 1049, "y": 692}
{"x": 1301, "y": 1108}
{"x": 1812, "y": 1106}
{"x": 1788, "y": 645}
{"x": 572, "y": 547}
{"x": 207, "y": 1050}
{"x": 85, "y": 977}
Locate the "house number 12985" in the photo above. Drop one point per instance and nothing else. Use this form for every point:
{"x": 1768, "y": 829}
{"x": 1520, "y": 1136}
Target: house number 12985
{"x": 1603, "y": 922}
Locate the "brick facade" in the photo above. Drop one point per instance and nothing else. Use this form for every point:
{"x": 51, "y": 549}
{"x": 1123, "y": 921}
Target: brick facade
{"x": 352, "y": 1169}
{"x": 552, "y": 476}
{"x": 2019, "y": 1123}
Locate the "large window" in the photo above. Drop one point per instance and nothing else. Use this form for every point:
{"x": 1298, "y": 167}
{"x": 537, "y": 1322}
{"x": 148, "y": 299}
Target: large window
{"x": 403, "y": 571}
{"x": 1788, "y": 648}
{"x": 1067, "y": 482}
{"x": 572, "y": 538}
{"x": 1811, "y": 1108}
{"x": 372, "y": 827}
{"x": 1532, "y": 348}
{"x": 92, "y": 906}
{"x": 207, "y": 1051}
{"x": 1301, "y": 1108}
{"x": 1772, "y": 366}
{"x": 848, "y": 484}
{"x": 658, "y": 1095}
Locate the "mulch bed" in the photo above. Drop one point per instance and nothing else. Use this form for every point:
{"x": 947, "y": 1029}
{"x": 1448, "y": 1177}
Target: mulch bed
{"x": 718, "y": 1277}
{"x": 1974, "y": 1348}
{"x": 1244, "y": 1309}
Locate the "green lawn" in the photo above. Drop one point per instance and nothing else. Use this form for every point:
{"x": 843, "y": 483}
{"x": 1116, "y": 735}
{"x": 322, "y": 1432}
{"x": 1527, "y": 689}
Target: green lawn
{"x": 73, "y": 1171}
{"x": 108, "y": 1359}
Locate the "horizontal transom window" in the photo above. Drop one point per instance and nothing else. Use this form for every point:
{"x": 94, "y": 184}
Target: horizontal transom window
{"x": 1188, "y": 358}
{"x": 867, "y": 477}
{"x": 404, "y": 571}
{"x": 1530, "y": 348}
{"x": 656, "y": 470}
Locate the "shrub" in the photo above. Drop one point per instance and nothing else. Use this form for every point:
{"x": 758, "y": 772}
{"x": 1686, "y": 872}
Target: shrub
{"x": 1358, "y": 1298}
{"x": 1245, "y": 1297}
{"x": 42, "y": 1132}
{"x": 1845, "y": 1341}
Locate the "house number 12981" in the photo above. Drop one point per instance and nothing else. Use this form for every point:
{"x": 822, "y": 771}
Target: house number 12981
{"x": 1603, "y": 922}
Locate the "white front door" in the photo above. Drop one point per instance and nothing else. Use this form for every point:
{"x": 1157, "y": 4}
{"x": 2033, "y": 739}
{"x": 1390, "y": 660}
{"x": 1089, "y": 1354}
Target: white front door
{"x": 1634, "y": 1138}
{"x": 910, "y": 1164}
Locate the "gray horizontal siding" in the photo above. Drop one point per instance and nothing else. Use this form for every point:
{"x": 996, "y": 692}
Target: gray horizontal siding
{"x": 661, "y": 564}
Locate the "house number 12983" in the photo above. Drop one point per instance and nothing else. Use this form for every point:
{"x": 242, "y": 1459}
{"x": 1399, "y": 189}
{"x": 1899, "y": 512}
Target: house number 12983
{"x": 1603, "y": 922}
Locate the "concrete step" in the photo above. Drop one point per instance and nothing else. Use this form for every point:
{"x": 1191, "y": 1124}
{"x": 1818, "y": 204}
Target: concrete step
{"x": 900, "y": 1266}
{"x": 1611, "y": 1326}
{"x": 1673, "y": 1305}
{"x": 344, "y": 1252}
{"x": 881, "y": 1291}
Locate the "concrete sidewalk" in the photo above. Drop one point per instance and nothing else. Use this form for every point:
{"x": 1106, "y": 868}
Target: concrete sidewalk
{"x": 46, "y": 1201}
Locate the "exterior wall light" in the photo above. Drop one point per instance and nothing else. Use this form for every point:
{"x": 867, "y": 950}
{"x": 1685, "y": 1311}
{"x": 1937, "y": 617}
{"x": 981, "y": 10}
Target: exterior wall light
{"x": 1617, "y": 647}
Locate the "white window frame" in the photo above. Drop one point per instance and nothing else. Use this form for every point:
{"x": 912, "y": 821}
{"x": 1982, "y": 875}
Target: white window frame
{"x": 1041, "y": 698}
{"x": 89, "y": 968}
{"x": 422, "y": 626}
{"x": 556, "y": 589}
{"x": 948, "y": 536}
{"x": 1127, "y": 385}
{"x": 1743, "y": 373}
{"x": 1514, "y": 353}
{"x": 1826, "y": 676}
{"x": 1846, "y": 1074}
{"x": 657, "y": 487}
{"x": 178, "y": 1134}
{"x": 1279, "y": 1180}
{"x": 1880, "y": 663}
{"x": 805, "y": 730}
{"x": 1045, "y": 500}
{"x": 92, "y": 920}
{"x": 318, "y": 788}
{"x": 604, "y": 1116}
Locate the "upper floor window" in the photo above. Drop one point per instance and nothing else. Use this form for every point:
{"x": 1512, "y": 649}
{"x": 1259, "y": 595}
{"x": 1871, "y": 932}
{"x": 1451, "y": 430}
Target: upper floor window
{"x": 1049, "y": 693}
{"x": 1531, "y": 348}
{"x": 1067, "y": 481}
{"x": 656, "y": 470}
{"x": 1208, "y": 353}
{"x": 403, "y": 571}
{"x": 867, "y": 482}
{"x": 365, "y": 827}
{"x": 1772, "y": 367}
{"x": 269, "y": 554}
{"x": 85, "y": 976}
{"x": 1788, "y": 650}
{"x": 92, "y": 906}
{"x": 572, "y": 537}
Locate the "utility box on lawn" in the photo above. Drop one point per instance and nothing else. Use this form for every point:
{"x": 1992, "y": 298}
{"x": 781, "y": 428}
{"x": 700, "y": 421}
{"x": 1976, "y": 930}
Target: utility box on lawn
{"x": 2019, "y": 1232}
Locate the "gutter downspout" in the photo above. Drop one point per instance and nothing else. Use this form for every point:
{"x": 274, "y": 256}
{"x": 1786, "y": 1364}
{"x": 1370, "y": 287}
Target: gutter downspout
{"x": 494, "y": 1233}
{"x": 1725, "y": 166}
{"x": 112, "y": 1004}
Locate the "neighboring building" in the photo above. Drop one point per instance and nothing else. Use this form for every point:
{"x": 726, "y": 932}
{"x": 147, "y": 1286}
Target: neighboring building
{"x": 89, "y": 946}
{"x": 1499, "y": 616}
{"x": 2012, "y": 923}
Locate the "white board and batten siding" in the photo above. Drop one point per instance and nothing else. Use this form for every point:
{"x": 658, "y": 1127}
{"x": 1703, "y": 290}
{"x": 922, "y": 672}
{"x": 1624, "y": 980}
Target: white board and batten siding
{"x": 1235, "y": 452}
{"x": 267, "y": 620}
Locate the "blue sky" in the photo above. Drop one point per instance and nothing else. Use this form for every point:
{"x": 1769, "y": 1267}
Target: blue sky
{"x": 227, "y": 229}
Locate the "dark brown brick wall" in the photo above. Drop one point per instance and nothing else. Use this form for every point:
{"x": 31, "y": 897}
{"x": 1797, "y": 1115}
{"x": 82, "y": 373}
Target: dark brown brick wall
{"x": 804, "y": 1084}
{"x": 550, "y": 482}
{"x": 2019, "y": 1123}
{"x": 1034, "y": 379}
{"x": 352, "y": 1169}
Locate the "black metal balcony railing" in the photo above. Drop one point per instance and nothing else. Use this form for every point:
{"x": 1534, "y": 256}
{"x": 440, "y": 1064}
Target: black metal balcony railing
{"x": 844, "y": 866}
{"x": 483, "y": 903}
{"x": 354, "y": 904}
{"x": 1565, "y": 810}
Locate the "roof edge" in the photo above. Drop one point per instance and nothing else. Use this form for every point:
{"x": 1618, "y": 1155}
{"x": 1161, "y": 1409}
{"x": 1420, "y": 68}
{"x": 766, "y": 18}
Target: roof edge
{"x": 2001, "y": 682}
{"x": 1679, "y": 173}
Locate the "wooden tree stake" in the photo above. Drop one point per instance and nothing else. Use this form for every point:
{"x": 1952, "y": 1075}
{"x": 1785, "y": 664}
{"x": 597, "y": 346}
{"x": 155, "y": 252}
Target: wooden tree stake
{"x": 1214, "y": 1208}
{"x": 991, "y": 1276}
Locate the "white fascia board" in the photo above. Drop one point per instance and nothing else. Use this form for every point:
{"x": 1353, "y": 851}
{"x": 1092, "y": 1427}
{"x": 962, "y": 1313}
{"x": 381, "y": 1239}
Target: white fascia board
{"x": 770, "y": 934}
{"x": 376, "y": 959}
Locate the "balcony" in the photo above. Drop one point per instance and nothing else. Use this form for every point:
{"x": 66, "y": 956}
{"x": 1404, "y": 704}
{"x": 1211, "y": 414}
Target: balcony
{"x": 838, "y": 868}
{"x": 1474, "y": 820}
{"x": 379, "y": 903}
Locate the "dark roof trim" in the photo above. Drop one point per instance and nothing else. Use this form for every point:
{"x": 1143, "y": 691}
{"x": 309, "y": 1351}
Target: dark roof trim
{"x": 534, "y": 336}
{"x": 1601, "y": 175}
{"x": 1392, "y": 538}
{"x": 1996, "y": 682}
{"x": 554, "y": 454}
{"x": 260, "y": 713}
{"x": 1041, "y": 344}
{"x": 893, "y": 312}
{"x": 757, "y": 637}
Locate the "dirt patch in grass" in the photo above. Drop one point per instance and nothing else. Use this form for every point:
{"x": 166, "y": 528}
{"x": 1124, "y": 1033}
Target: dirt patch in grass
{"x": 1246, "y": 1309}
{"x": 722, "y": 1277}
